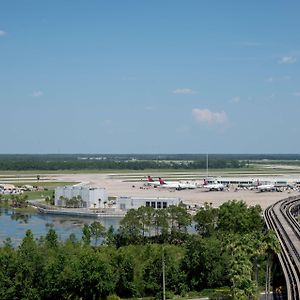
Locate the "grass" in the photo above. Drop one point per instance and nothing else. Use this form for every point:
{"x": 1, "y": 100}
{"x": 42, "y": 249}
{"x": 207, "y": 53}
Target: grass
{"x": 39, "y": 194}
{"x": 255, "y": 169}
{"x": 116, "y": 171}
{"x": 28, "y": 209}
{"x": 47, "y": 184}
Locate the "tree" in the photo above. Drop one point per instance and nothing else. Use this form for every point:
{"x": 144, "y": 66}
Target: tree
{"x": 86, "y": 234}
{"x": 110, "y": 238}
{"x": 235, "y": 216}
{"x": 29, "y": 262}
{"x": 179, "y": 218}
{"x": 97, "y": 231}
{"x": 205, "y": 263}
{"x": 52, "y": 238}
{"x": 160, "y": 222}
{"x": 130, "y": 227}
{"x": 145, "y": 216}
{"x": 240, "y": 271}
{"x": 206, "y": 220}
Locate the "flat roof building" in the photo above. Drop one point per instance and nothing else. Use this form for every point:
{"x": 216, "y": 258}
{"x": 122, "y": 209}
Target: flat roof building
{"x": 125, "y": 203}
{"x": 82, "y": 196}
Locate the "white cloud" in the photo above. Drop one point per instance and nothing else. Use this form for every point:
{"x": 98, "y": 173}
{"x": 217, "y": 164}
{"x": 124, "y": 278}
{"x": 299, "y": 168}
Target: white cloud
{"x": 296, "y": 94}
{"x": 37, "y": 94}
{"x": 2, "y": 33}
{"x": 209, "y": 117}
{"x": 184, "y": 91}
{"x": 235, "y": 99}
{"x": 287, "y": 60}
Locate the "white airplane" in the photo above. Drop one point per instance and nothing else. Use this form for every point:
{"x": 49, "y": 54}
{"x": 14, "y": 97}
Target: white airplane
{"x": 266, "y": 187}
{"x": 151, "y": 182}
{"x": 213, "y": 186}
{"x": 176, "y": 184}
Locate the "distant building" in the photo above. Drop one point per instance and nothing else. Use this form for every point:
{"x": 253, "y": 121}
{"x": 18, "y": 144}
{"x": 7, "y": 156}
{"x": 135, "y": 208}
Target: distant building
{"x": 90, "y": 197}
{"x": 126, "y": 203}
{"x": 248, "y": 181}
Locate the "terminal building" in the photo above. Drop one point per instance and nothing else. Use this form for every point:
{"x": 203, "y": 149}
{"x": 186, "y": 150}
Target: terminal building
{"x": 125, "y": 203}
{"x": 248, "y": 181}
{"x": 89, "y": 197}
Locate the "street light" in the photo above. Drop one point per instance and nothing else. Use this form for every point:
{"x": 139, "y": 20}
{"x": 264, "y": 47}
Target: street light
{"x": 163, "y": 274}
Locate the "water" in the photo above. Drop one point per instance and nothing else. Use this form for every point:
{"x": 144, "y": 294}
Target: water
{"x": 14, "y": 225}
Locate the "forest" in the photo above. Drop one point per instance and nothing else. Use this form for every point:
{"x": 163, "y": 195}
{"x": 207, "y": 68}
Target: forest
{"x": 221, "y": 249}
{"x": 25, "y": 162}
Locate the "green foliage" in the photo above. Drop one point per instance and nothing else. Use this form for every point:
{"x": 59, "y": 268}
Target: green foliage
{"x": 159, "y": 225}
{"x": 93, "y": 231}
{"x": 119, "y": 162}
{"x": 86, "y": 234}
{"x": 19, "y": 201}
{"x": 113, "y": 297}
{"x": 129, "y": 267}
{"x": 206, "y": 220}
{"x": 235, "y": 216}
{"x": 51, "y": 238}
{"x": 205, "y": 263}
{"x": 97, "y": 231}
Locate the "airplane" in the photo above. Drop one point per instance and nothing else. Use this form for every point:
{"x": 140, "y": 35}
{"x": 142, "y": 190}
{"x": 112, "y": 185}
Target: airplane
{"x": 266, "y": 187}
{"x": 213, "y": 186}
{"x": 151, "y": 182}
{"x": 176, "y": 184}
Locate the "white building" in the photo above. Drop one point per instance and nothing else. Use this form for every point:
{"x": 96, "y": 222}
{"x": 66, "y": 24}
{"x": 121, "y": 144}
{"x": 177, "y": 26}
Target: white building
{"x": 91, "y": 197}
{"x": 126, "y": 203}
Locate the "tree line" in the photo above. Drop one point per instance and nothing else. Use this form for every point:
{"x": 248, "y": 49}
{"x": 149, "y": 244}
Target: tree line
{"x": 116, "y": 165}
{"x": 229, "y": 247}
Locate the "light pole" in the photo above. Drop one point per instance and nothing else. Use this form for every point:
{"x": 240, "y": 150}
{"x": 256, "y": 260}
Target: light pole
{"x": 163, "y": 274}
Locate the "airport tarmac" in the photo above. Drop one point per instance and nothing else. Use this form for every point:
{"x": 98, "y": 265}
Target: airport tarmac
{"x": 118, "y": 187}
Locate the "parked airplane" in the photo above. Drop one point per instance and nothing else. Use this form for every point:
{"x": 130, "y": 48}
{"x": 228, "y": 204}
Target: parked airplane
{"x": 151, "y": 182}
{"x": 177, "y": 184}
{"x": 213, "y": 186}
{"x": 266, "y": 188}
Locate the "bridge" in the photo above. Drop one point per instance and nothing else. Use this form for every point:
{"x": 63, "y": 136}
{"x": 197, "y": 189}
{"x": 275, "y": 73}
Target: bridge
{"x": 281, "y": 217}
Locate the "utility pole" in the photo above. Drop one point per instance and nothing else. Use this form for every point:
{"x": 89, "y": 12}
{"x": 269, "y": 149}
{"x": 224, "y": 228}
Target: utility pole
{"x": 163, "y": 274}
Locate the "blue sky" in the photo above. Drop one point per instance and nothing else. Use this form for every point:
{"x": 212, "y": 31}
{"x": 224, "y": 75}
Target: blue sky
{"x": 149, "y": 76}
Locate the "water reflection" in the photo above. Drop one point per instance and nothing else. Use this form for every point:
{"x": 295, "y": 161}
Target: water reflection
{"x": 14, "y": 225}
{"x": 21, "y": 217}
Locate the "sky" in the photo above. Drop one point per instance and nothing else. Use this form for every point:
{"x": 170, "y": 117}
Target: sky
{"x": 137, "y": 76}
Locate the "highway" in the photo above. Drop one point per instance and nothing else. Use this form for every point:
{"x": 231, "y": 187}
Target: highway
{"x": 281, "y": 218}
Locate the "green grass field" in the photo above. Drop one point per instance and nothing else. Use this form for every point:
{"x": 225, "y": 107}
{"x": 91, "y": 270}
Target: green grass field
{"x": 47, "y": 184}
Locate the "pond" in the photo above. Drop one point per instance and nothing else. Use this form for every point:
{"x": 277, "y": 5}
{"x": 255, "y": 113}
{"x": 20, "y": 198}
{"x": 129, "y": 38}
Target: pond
{"x": 14, "y": 224}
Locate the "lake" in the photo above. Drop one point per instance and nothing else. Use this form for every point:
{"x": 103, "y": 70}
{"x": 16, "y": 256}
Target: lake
{"x": 14, "y": 224}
